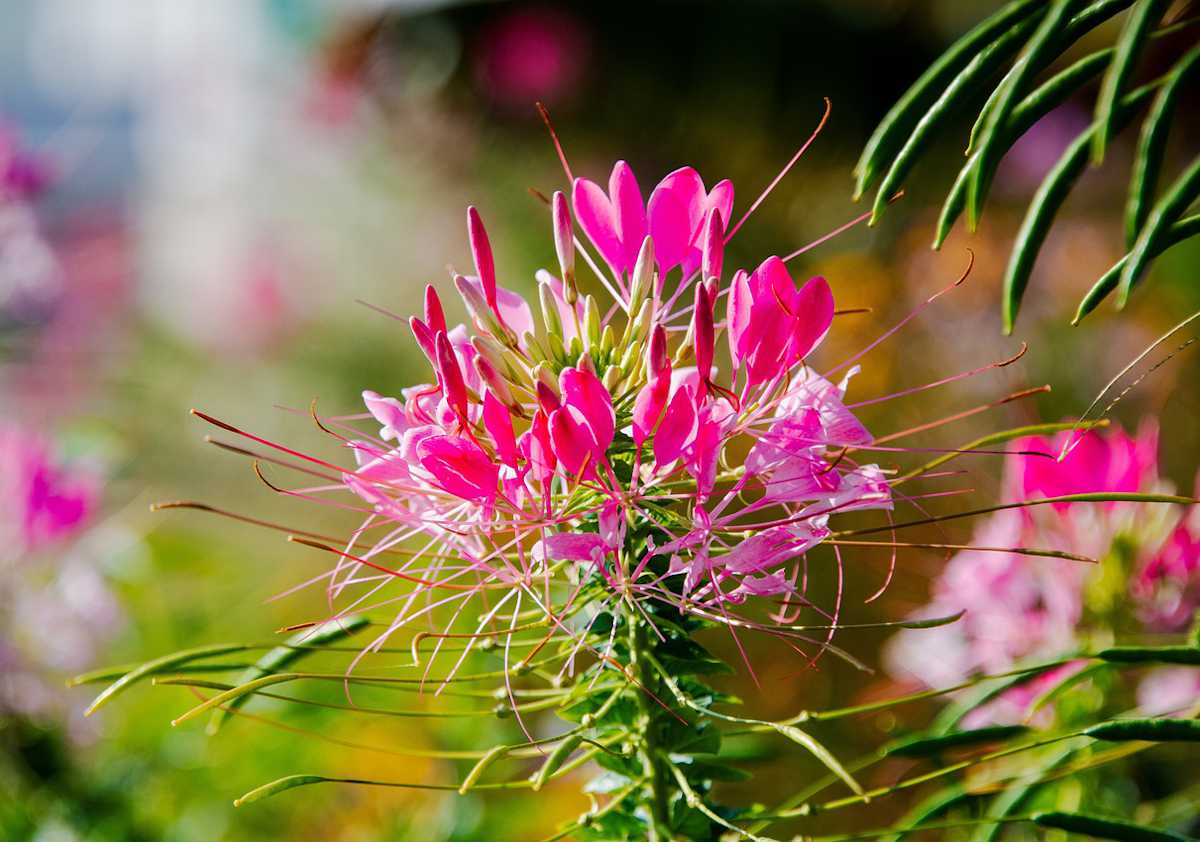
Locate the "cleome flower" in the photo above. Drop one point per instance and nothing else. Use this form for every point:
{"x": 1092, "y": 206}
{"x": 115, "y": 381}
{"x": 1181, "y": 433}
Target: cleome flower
{"x": 1020, "y": 607}
{"x": 551, "y": 435}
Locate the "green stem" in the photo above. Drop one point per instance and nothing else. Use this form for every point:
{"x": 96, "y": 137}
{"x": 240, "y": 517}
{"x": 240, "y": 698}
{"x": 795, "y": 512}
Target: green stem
{"x": 646, "y": 733}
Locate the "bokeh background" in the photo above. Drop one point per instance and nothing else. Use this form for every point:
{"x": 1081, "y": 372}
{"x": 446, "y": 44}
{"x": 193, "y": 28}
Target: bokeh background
{"x": 214, "y": 187}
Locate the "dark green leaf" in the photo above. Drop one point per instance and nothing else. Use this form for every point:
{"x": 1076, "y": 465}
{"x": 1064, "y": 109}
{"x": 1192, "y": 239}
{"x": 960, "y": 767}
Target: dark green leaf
{"x": 927, "y": 746}
{"x": 1144, "y": 16}
{"x": 1184, "y": 229}
{"x": 1148, "y": 730}
{"x": 892, "y": 129}
{"x": 1047, "y": 201}
{"x": 1184, "y": 191}
{"x": 1152, "y": 145}
{"x": 1106, "y": 828}
{"x": 1184, "y": 655}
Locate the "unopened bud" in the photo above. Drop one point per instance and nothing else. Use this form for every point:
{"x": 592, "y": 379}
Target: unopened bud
{"x": 435, "y": 316}
{"x": 564, "y": 245}
{"x": 612, "y": 377}
{"x": 592, "y": 319}
{"x": 656, "y": 359}
{"x": 550, "y": 316}
{"x": 713, "y": 246}
{"x": 495, "y": 381}
{"x": 608, "y": 339}
{"x": 643, "y": 274}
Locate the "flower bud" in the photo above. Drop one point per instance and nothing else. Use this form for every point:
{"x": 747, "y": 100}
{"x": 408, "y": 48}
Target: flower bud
{"x": 612, "y": 377}
{"x": 642, "y": 279}
{"x": 481, "y": 251}
{"x": 592, "y": 321}
{"x": 564, "y": 245}
{"x": 496, "y": 383}
{"x": 550, "y": 315}
{"x": 713, "y": 246}
{"x": 450, "y": 376}
{"x": 656, "y": 359}
{"x": 702, "y": 327}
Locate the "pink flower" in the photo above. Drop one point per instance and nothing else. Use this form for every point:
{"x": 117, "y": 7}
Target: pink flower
{"x": 1110, "y": 461}
{"x": 42, "y": 501}
{"x": 531, "y": 55}
{"x": 459, "y": 467}
{"x": 772, "y": 325}
{"x": 582, "y": 427}
{"x": 1167, "y": 588}
{"x": 675, "y": 219}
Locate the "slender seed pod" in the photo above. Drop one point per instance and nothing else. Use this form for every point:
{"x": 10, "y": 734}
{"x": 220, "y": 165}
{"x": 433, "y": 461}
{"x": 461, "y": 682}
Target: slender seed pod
{"x": 1148, "y": 730}
{"x": 1106, "y": 828}
{"x": 924, "y": 746}
{"x": 555, "y": 760}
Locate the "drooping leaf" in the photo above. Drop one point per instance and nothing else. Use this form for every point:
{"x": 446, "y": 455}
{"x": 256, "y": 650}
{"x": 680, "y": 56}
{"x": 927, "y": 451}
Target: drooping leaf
{"x": 1142, "y": 17}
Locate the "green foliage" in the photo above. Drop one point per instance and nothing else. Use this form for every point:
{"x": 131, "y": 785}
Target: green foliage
{"x": 1033, "y": 36}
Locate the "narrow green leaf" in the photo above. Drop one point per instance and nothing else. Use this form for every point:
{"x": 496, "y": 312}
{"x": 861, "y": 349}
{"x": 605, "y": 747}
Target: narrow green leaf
{"x": 1055, "y": 32}
{"x": 927, "y": 746}
{"x": 1015, "y": 795}
{"x": 297, "y": 646}
{"x": 889, "y": 134}
{"x": 1182, "y": 655}
{"x": 1184, "y": 191}
{"x": 960, "y": 89}
{"x": 1044, "y": 99}
{"x": 164, "y": 663}
{"x": 803, "y": 738}
{"x": 937, "y": 804}
{"x": 1184, "y": 229}
{"x": 1142, "y": 18}
{"x": 1089, "y": 18}
{"x": 1147, "y": 730}
{"x": 1106, "y": 828}
{"x": 1152, "y": 145}
{"x": 1047, "y": 201}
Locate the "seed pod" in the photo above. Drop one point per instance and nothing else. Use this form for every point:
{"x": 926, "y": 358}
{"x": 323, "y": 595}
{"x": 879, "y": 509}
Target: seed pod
{"x": 1182, "y": 655}
{"x": 494, "y": 754}
{"x": 556, "y": 759}
{"x": 921, "y": 746}
{"x": 1148, "y": 730}
{"x": 1106, "y": 828}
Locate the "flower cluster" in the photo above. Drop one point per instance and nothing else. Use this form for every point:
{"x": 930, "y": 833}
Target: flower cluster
{"x": 539, "y": 439}
{"x": 1020, "y": 607}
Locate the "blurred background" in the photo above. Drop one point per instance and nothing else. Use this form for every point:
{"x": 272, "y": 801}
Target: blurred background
{"x": 199, "y": 194}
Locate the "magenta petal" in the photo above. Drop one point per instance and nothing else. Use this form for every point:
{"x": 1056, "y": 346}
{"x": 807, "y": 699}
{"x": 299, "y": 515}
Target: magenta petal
{"x": 630, "y": 210}
{"x": 678, "y": 428}
{"x": 583, "y": 390}
{"x": 596, "y": 217}
{"x": 498, "y": 424}
{"x": 574, "y": 442}
{"x": 583, "y": 546}
{"x": 737, "y": 315}
{"x": 459, "y": 466}
{"x": 670, "y": 216}
{"x": 814, "y": 314}
{"x": 648, "y": 408}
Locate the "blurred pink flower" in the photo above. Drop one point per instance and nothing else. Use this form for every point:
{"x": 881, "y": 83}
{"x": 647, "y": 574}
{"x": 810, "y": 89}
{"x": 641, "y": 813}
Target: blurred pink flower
{"x": 531, "y": 54}
{"x": 1167, "y": 588}
{"x": 1109, "y": 461}
{"x": 42, "y": 502}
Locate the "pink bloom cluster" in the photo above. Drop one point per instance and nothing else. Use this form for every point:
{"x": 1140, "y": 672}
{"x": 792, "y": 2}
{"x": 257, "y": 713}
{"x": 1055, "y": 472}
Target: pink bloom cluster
{"x": 539, "y": 440}
{"x": 41, "y": 502}
{"x": 1021, "y": 607}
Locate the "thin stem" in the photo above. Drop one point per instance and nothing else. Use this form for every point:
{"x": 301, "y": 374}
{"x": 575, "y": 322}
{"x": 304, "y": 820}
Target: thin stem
{"x": 645, "y": 735}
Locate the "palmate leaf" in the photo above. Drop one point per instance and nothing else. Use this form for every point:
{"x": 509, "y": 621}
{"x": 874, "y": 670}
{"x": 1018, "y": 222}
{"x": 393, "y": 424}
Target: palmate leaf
{"x": 1033, "y": 39}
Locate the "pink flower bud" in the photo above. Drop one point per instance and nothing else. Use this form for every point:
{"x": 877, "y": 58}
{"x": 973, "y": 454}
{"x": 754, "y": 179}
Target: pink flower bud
{"x": 435, "y": 316}
{"x": 481, "y": 251}
{"x": 702, "y": 325}
{"x": 450, "y": 377}
{"x": 564, "y": 245}
{"x": 713, "y": 245}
